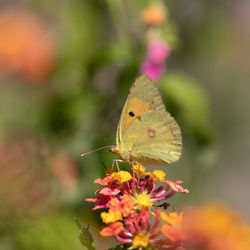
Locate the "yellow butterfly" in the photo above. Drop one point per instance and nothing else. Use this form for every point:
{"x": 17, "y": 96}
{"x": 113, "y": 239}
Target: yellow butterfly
{"x": 146, "y": 134}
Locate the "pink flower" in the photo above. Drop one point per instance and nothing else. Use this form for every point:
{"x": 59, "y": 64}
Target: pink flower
{"x": 158, "y": 51}
{"x": 155, "y": 71}
{"x": 154, "y": 62}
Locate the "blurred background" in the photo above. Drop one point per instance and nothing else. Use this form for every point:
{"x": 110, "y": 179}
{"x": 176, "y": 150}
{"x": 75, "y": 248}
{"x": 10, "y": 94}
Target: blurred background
{"x": 65, "y": 70}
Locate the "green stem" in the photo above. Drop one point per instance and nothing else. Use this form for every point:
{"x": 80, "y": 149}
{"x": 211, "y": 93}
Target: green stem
{"x": 118, "y": 15}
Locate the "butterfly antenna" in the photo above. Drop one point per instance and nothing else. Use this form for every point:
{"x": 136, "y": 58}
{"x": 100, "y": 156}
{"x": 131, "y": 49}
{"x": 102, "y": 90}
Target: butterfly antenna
{"x": 84, "y": 154}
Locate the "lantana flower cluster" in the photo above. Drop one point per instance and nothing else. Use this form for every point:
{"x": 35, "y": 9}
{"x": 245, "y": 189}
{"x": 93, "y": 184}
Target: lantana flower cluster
{"x": 135, "y": 205}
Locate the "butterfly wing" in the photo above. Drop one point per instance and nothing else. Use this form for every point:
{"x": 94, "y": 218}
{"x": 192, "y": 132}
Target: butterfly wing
{"x": 154, "y": 138}
{"x": 143, "y": 97}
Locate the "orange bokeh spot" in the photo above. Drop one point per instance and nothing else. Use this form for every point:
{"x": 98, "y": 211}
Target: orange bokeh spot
{"x": 215, "y": 227}
{"x": 154, "y": 15}
{"x": 27, "y": 46}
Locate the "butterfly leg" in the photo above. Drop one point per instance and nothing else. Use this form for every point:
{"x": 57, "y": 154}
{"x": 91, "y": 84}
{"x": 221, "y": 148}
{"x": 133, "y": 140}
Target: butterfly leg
{"x": 116, "y": 162}
{"x": 113, "y": 163}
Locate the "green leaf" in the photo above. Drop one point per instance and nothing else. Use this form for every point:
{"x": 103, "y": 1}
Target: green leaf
{"x": 189, "y": 101}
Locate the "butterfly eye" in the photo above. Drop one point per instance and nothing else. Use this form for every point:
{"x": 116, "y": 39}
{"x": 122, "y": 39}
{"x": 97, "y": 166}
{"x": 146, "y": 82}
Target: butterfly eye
{"x": 131, "y": 114}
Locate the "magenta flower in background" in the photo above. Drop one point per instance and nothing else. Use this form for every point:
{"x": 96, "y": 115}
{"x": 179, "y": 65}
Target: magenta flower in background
{"x": 154, "y": 62}
{"x": 158, "y": 51}
{"x": 155, "y": 71}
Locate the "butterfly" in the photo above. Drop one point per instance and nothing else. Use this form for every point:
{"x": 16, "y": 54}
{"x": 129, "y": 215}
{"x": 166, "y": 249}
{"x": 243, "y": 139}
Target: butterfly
{"x": 146, "y": 134}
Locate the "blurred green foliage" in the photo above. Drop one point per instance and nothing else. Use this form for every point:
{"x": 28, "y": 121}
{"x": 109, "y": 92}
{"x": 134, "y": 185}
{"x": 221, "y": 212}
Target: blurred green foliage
{"x": 190, "y": 99}
{"x": 53, "y": 231}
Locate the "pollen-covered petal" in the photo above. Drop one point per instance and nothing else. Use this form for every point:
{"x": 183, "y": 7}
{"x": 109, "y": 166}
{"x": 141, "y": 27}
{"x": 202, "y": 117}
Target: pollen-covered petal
{"x": 159, "y": 175}
{"x": 143, "y": 200}
{"x": 122, "y": 176}
{"x": 111, "y": 216}
{"x": 140, "y": 240}
{"x": 139, "y": 169}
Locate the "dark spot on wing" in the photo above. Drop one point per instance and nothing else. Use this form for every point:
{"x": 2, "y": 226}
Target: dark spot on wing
{"x": 131, "y": 114}
{"x": 139, "y": 118}
{"x": 151, "y": 133}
